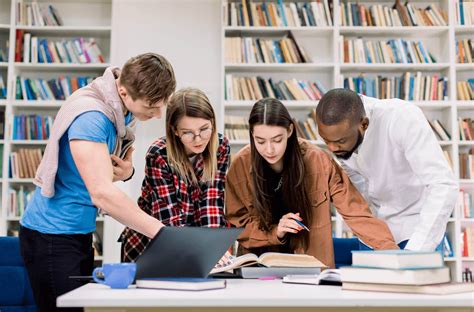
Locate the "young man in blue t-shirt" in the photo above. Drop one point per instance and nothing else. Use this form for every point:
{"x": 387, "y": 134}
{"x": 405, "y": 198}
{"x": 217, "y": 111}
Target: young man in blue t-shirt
{"x": 77, "y": 172}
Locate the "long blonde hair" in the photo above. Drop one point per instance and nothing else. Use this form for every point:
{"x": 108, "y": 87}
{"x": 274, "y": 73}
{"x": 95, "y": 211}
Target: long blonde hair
{"x": 190, "y": 102}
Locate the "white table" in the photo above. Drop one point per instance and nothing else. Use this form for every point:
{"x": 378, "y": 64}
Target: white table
{"x": 248, "y": 295}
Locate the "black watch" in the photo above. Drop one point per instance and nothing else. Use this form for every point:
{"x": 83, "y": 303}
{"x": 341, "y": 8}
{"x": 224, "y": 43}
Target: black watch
{"x": 130, "y": 177}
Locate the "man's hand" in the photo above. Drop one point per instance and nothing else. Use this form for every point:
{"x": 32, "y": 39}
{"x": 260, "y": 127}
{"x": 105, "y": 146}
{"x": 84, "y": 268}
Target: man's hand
{"x": 123, "y": 168}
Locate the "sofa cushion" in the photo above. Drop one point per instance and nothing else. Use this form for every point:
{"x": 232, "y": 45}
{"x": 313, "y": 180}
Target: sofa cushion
{"x": 343, "y": 250}
{"x": 13, "y": 291}
{"x": 30, "y": 308}
{"x": 10, "y": 254}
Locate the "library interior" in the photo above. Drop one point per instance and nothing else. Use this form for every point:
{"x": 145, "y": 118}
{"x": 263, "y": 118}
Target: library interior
{"x": 201, "y": 155}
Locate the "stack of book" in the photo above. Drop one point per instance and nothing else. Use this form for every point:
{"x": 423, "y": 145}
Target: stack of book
{"x": 272, "y": 264}
{"x": 400, "y": 271}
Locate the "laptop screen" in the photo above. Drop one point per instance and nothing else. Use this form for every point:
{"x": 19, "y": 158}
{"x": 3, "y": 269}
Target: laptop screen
{"x": 185, "y": 251}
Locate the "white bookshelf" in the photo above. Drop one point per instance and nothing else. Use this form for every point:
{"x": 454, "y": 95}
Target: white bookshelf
{"x": 322, "y": 45}
{"x": 82, "y": 18}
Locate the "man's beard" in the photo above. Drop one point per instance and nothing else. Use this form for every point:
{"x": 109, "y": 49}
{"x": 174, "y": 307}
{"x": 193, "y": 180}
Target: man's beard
{"x": 347, "y": 154}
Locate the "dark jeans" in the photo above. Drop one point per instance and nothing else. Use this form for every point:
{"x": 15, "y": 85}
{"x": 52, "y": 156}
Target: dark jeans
{"x": 50, "y": 259}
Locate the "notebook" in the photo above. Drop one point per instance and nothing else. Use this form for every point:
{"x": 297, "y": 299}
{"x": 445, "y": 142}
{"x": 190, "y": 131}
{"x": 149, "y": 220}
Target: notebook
{"x": 181, "y": 283}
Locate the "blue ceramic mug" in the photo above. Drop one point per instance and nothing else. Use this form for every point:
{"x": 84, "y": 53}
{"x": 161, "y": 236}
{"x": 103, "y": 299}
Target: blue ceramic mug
{"x": 116, "y": 275}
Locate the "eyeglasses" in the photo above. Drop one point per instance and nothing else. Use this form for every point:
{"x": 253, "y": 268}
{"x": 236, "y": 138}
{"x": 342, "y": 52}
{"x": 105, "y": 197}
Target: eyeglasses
{"x": 189, "y": 136}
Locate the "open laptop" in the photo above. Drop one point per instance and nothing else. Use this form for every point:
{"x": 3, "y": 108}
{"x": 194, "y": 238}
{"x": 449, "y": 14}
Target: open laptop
{"x": 185, "y": 251}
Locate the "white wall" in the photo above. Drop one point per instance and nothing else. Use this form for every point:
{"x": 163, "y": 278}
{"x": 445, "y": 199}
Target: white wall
{"x": 187, "y": 33}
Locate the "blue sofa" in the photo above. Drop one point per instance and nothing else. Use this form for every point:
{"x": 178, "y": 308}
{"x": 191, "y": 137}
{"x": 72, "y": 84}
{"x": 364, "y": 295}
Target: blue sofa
{"x": 342, "y": 250}
{"x": 15, "y": 289}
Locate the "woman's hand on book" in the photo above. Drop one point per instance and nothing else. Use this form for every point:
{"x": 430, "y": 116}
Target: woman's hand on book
{"x": 225, "y": 260}
{"x": 288, "y": 224}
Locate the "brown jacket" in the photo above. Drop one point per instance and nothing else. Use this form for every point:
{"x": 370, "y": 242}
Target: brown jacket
{"x": 326, "y": 183}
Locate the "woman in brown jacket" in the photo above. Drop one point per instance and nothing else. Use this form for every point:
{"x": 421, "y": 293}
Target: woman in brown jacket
{"x": 279, "y": 179}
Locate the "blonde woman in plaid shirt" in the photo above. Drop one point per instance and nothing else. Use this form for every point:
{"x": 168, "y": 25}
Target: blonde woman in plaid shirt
{"x": 185, "y": 171}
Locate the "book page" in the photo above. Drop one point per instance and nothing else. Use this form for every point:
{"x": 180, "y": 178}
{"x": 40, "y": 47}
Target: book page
{"x": 275, "y": 259}
{"x": 237, "y": 262}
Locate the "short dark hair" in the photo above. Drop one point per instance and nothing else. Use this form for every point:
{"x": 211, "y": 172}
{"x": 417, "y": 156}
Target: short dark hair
{"x": 149, "y": 77}
{"x": 338, "y": 105}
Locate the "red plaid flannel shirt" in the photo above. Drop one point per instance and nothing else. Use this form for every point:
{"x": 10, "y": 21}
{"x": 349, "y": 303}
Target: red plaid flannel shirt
{"x": 175, "y": 202}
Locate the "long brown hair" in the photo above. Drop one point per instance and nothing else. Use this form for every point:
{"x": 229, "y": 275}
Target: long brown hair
{"x": 272, "y": 112}
{"x": 190, "y": 102}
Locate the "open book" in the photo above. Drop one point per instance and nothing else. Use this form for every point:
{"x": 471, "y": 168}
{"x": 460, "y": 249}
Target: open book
{"x": 326, "y": 277}
{"x": 271, "y": 260}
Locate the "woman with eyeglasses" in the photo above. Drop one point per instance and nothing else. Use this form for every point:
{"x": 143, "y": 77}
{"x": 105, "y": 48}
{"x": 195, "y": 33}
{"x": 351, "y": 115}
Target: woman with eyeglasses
{"x": 185, "y": 171}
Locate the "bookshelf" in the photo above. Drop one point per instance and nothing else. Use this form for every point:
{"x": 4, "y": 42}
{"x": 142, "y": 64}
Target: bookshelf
{"x": 82, "y": 19}
{"x": 323, "y": 45}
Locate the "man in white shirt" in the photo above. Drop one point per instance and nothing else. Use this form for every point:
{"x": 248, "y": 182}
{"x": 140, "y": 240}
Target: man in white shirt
{"x": 393, "y": 158}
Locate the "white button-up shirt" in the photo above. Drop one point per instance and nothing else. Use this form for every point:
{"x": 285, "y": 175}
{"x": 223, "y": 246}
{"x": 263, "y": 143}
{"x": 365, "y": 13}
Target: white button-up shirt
{"x": 401, "y": 170}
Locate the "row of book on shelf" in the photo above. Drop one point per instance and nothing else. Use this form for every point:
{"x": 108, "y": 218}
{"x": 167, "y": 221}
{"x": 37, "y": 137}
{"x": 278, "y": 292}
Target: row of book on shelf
{"x": 465, "y": 90}
{"x": 464, "y": 51}
{"x": 31, "y": 127}
{"x": 467, "y": 241}
{"x": 465, "y": 204}
{"x": 250, "y": 50}
{"x": 33, "y": 49}
{"x": 24, "y": 162}
{"x": 3, "y": 88}
{"x": 240, "y": 88}
{"x": 465, "y": 126}
{"x": 18, "y": 200}
{"x": 409, "y": 86}
{"x": 278, "y": 13}
{"x": 2, "y": 125}
{"x": 466, "y": 164}
{"x": 385, "y": 15}
{"x": 359, "y": 50}
{"x": 37, "y": 14}
{"x": 4, "y": 53}
{"x": 52, "y": 89}
{"x": 464, "y": 12}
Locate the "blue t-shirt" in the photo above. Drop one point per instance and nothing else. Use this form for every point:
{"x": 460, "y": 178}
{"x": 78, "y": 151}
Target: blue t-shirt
{"x": 70, "y": 210}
